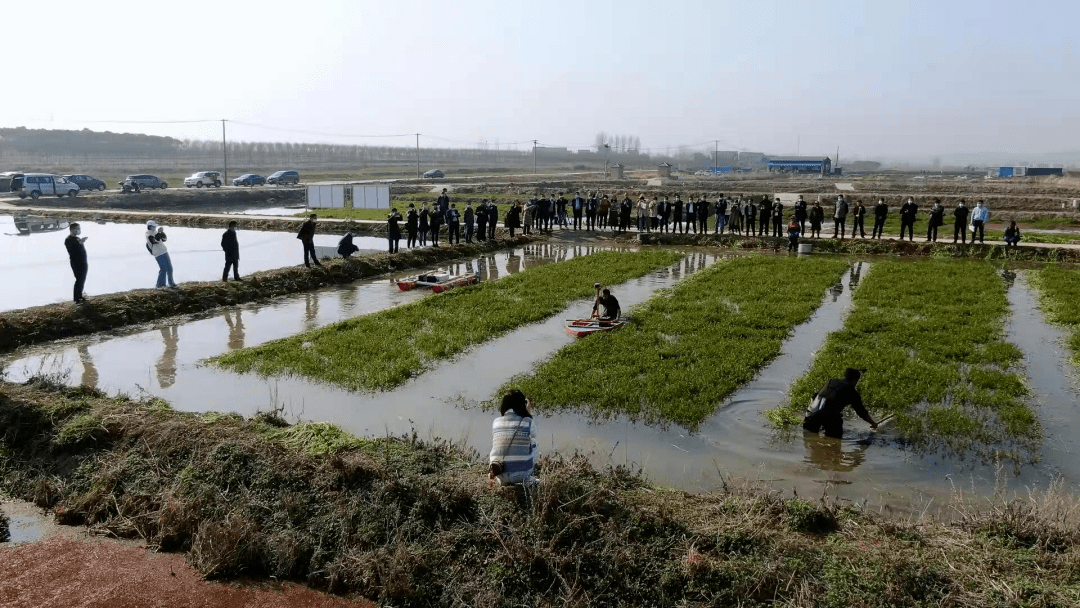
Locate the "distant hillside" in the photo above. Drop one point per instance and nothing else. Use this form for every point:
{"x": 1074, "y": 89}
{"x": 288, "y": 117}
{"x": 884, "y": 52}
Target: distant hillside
{"x": 48, "y": 141}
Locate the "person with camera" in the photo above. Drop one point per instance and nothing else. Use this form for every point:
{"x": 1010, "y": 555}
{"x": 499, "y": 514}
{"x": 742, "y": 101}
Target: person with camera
{"x": 513, "y": 443}
{"x": 393, "y": 230}
{"x": 155, "y": 244}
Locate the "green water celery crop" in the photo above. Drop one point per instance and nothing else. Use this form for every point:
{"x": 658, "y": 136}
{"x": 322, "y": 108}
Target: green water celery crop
{"x": 929, "y": 335}
{"x": 383, "y": 350}
{"x": 685, "y": 350}
{"x": 1059, "y": 294}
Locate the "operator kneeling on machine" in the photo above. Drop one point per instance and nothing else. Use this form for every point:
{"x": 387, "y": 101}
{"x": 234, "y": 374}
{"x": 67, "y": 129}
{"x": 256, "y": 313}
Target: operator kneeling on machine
{"x": 610, "y": 304}
{"x": 826, "y": 410}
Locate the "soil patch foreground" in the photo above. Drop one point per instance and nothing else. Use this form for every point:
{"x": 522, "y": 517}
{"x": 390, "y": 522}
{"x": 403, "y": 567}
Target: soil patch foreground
{"x": 69, "y": 572}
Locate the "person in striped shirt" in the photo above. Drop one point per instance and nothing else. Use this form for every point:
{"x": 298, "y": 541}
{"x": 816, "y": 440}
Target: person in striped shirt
{"x": 513, "y": 446}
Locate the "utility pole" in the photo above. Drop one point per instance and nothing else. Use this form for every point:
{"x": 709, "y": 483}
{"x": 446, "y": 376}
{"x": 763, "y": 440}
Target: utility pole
{"x": 534, "y": 156}
{"x": 224, "y": 152}
{"x": 715, "y": 152}
{"x": 417, "y": 156}
{"x": 837, "y": 158}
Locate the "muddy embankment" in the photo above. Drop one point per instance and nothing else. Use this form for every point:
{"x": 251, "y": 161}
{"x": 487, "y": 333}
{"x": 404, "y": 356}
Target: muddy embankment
{"x": 408, "y": 522}
{"x": 245, "y": 222}
{"x": 45, "y": 323}
{"x": 866, "y": 247}
{"x": 205, "y": 200}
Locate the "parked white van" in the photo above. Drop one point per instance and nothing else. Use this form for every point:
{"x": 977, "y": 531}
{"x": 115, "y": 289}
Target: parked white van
{"x": 36, "y": 184}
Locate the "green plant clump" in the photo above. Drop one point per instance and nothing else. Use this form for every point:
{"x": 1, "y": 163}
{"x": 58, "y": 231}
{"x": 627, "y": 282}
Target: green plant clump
{"x": 383, "y": 350}
{"x": 1059, "y": 294}
{"x": 684, "y": 351}
{"x": 928, "y": 336}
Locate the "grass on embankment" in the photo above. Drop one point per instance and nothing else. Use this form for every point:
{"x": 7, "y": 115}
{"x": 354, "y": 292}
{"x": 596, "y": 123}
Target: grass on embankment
{"x": 929, "y": 335}
{"x": 109, "y": 311}
{"x": 684, "y": 351}
{"x": 383, "y": 350}
{"x": 412, "y": 523}
{"x": 1059, "y": 294}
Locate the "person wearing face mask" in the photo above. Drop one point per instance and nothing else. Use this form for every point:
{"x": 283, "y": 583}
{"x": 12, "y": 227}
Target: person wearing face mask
{"x": 908, "y": 212}
{"x": 881, "y": 212}
{"x": 960, "y": 216}
{"x": 979, "y": 216}
{"x": 840, "y": 217}
{"x": 77, "y": 256}
{"x": 937, "y": 218}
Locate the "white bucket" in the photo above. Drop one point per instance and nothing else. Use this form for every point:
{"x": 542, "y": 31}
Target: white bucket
{"x": 806, "y": 247}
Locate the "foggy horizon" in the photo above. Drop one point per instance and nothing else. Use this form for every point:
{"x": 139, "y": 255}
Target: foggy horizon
{"x": 963, "y": 83}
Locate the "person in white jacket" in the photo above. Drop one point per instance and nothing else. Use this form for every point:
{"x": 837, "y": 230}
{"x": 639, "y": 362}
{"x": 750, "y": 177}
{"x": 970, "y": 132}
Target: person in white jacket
{"x": 155, "y": 244}
{"x": 513, "y": 444}
{"x": 979, "y": 216}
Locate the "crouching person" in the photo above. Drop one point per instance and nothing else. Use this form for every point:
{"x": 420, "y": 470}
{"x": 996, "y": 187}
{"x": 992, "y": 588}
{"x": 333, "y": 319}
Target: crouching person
{"x": 513, "y": 447}
{"x": 826, "y": 411}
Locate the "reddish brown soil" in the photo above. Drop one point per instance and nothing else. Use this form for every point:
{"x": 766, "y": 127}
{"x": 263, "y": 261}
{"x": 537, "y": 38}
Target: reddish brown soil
{"x": 66, "y": 572}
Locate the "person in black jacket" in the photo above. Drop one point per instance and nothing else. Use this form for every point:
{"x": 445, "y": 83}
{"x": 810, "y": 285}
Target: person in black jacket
{"x": 307, "y": 237}
{"x": 677, "y": 216}
{"x": 442, "y": 204}
{"x": 826, "y": 411}
{"x": 777, "y": 218}
{"x": 908, "y": 214}
{"x": 859, "y": 224}
{"x": 393, "y": 230}
{"x": 412, "y": 225}
{"x": 764, "y": 212}
{"x": 881, "y": 211}
{"x": 469, "y": 217}
{"x": 435, "y": 223}
{"x": 802, "y": 213}
{"x": 591, "y": 207}
{"x": 453, "y": 225}
{"x": 423, "y": 224}
{"x": 481, "y": 222}
{"x": 703, "y": 207}
{"x": 346, "y": 247}
{"x": 625, "y": 207}
{"x": 937, "y": 218}
{"x": 493, "y": 220}
{"x": 231, "y": 247}
{"x": 750, "y": 211}
{"x": 578, "y": 207}
{"x": 77, "y": 256}
{"x": 960, "y": 215}
{"x": 817, "y": 218}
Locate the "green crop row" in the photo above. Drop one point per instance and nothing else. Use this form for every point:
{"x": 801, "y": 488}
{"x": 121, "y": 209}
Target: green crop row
{"x": 383, "y": 350}
{"x": 1059, "y": 293}
{"x": 928, "y": 335}
{"x": 685, "y": 350}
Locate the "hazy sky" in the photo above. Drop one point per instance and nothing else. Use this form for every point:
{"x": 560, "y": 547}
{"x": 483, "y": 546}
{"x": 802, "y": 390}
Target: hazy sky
{"x": 878, "y": 78}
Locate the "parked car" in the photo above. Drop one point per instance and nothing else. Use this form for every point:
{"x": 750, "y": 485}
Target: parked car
{"x": 433, "y": 174}
{"x": 203, "y": 178}
{"x": 249, "y": 179}
{"x": 281, "y": 178}
{"x": 36, "y": 184}
{"x": 86, "y": 182}
{"x": 143, "y": 182}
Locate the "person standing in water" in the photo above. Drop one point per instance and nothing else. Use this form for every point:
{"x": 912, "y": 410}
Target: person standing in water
{"x": 826, "y": 411}
{"x": 77, "y": 256}
{"x": 231, "y": 246}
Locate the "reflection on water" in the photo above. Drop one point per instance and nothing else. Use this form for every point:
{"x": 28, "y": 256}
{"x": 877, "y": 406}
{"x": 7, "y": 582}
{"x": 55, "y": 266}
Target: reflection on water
{"x": 311, "y": 310}
{"x": 89, "y": 374}
{"x": 856, "y": 275}
{"x": 235, "y": 320}
{"x": 828, "y": 453}
{"x": 166, "y": 365}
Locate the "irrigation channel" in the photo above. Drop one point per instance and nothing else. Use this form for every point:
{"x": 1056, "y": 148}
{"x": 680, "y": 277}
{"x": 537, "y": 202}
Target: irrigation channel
{"x": 36, "y": 271}
{"x": 737, "y": 442}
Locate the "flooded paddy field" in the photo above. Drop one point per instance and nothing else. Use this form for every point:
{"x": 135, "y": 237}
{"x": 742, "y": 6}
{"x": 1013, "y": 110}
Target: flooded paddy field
{"x": 452, "y": 399}
{"x": 36, "y": 269}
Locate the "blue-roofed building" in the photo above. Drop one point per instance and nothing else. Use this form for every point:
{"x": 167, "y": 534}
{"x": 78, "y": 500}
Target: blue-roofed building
{"x": 801, "y": 164}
